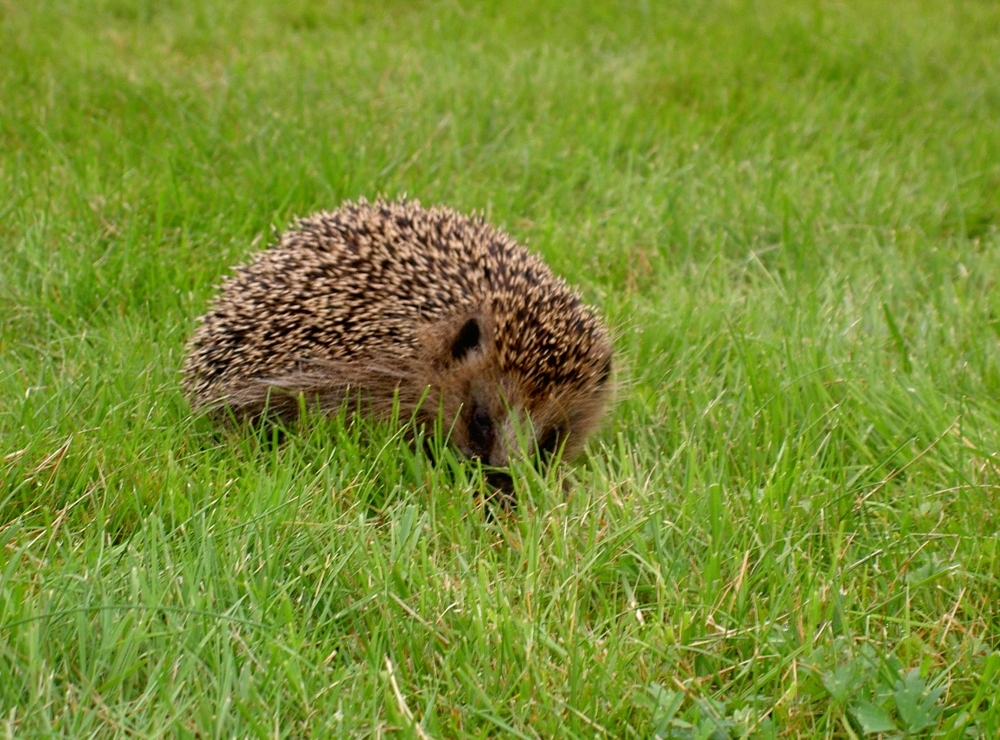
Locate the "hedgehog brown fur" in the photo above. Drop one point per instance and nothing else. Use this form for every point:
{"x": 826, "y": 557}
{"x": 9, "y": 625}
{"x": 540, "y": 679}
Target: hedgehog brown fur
{"x": 391, "y": 301}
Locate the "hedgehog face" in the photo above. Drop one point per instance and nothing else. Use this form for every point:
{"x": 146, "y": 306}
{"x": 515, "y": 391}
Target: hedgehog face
{"x": 500, "y": 413}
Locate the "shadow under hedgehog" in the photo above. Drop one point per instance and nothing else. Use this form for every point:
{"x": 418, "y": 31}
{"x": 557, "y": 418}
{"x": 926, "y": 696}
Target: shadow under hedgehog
{"x": 390, "y": 300}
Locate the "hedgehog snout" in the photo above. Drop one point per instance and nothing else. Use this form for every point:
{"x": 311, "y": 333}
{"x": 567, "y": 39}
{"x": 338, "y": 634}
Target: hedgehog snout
{"x": 481, "y": 433}
{"x": 490, "y": 429}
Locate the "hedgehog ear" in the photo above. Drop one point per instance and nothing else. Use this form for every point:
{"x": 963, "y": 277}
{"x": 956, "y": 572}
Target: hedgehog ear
{"x": 467, "y": 339}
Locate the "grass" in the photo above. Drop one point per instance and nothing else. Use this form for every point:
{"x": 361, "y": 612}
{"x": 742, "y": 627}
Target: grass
{"x": 789, "y": 525}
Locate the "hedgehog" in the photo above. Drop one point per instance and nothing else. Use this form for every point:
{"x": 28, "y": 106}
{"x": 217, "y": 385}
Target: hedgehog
{"x": 424, "y": 312}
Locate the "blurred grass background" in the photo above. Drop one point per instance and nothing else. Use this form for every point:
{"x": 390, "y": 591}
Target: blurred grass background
{"x": 788, "y": 528}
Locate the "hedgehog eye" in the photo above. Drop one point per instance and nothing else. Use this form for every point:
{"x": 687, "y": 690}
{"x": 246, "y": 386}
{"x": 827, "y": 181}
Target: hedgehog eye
{"x": 467, "y": 340}
{"x": 480, "y": 430}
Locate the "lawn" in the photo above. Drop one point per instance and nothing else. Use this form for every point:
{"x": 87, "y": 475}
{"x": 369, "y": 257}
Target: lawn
{"x": 789, "y": 526}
